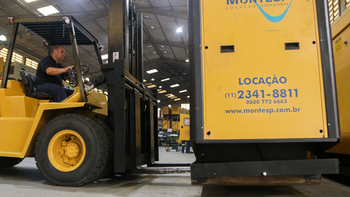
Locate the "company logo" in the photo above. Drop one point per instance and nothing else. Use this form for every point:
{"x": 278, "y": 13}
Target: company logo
{"x": 246, "y": 4}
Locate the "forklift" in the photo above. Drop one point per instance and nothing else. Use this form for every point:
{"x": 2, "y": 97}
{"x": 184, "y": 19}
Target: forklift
{"x": 85, "y": 137}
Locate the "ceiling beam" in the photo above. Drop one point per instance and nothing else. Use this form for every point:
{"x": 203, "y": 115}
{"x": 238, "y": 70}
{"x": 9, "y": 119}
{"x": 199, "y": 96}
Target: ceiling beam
{"x": 25, "y": 7}
{"x": 167, "y": 61}
{"x": 162, "y": 12}
{"x": 163, "y": 42}
{"x": 82, "y": 56}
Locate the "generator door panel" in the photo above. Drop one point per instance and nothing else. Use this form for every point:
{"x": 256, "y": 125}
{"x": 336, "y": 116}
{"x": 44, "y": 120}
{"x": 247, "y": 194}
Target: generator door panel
{"x": 262, "y": 71}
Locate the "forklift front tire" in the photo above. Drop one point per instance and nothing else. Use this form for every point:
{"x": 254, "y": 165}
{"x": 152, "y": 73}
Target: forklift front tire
{"x": 71, "y": 150}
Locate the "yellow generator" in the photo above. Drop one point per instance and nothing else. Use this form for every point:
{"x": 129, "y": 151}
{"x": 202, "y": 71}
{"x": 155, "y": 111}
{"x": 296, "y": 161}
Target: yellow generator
{"x": 341, "y": 50}
{"x": 175, "y": 119}
{"x": 166, "y": 120}
{"x": 263, "y": 94}
{"x": 184, "y": 127}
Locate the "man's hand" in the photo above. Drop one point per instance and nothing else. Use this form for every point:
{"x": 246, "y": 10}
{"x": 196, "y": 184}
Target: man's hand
{"x": 57, "y": 71}
{"x": 68, "y": 67}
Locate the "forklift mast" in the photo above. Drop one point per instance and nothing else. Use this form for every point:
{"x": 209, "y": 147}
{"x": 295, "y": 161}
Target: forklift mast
{"x": 132, "y": 109}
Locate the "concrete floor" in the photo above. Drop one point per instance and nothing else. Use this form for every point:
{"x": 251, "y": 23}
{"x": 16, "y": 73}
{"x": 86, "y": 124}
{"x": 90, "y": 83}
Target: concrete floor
{"x": 25, "y": 180}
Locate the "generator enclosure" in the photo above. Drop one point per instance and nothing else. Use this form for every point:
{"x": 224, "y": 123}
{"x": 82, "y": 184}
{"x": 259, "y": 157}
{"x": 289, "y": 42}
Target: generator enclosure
{"x": 262, "y": 90}
{"x": 341, "y": 50}
{"x": 184, "y": 127}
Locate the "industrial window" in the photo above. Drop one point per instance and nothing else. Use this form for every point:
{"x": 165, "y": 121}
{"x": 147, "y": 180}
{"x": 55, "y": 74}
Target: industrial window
{"x": 31, "y": 63}
{"x": 333, "y": 7}
{"x": 18, "y": 58}
{"x": 347, "y": 3}
{"x": 15, "y": 56}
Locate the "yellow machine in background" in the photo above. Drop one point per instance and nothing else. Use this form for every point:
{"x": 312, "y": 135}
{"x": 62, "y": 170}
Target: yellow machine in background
{"x": 341, "y": 50}
{"x": 263, "y": 96}
{"x": 175, "y": 118}
{"x": 184, "y": 127}
{"x": 1, "y": 64}
{"x": 166, "y": 120}
{"x": 179, "y": 129}
{"x": 170, "y": 119}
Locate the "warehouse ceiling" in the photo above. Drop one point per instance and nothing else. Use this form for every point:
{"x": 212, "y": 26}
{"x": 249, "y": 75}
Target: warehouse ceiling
{"x": 165, "y": 48}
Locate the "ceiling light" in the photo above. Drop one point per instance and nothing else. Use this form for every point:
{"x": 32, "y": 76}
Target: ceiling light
{"x": 169, "y": 105}
{"x": 188, "y": 96}
{"x": 187, "y": 60}
{"x": 144, "y": 80}
{"x": 146, "y": 17}
{"x": 179, "y": 30}
{"x": 166, "y": 79}
{"x": 167, "y": 95}
{"x": 152, "y": 79}
{"x": 177, "y": 99}
{"x": 48, "y": 10}
{"x": 66, "y": 20}
{"x": 160, "y": 87}
{"x": 161, "y": 46}
{"x": 151, "y": 86}
{"x": 104, "y": 57}
{"x": 165, "y": 51}
{"x": 161, "y": 92}
{"x": 151, "y": 27}
{"x": 154, "y": 52}
{"x": 149, "y": 46}
{"x": 182, "y": 91}
{"x": 175, "y": 85}
{"x": 158, "y": 102}
{"x": 3, "y": 38}
{"x": 28, "y": 1}
{"x": 152, "y": 71}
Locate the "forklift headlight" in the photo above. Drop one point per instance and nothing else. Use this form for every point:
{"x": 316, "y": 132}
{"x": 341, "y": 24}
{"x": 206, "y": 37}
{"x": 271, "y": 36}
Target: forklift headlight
{"x": 101, "y": 48}
{"x": 66, "y": 20}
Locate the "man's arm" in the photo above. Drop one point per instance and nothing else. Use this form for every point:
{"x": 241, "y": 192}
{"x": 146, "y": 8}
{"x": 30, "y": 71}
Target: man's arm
{"x": 57, "y": 71}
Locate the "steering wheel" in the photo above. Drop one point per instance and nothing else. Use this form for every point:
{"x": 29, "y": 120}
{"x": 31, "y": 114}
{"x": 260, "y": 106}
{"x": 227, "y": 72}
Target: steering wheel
{"x": 84, "y": 69}
{"x": 72, "y": 75}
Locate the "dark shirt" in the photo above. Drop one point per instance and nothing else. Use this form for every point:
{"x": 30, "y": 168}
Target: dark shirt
{"x": 42, "y": 76}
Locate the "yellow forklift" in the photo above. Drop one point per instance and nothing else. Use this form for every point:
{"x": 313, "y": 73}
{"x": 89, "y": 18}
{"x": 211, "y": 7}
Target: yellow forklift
{"x": 263, "y": 94}
{"x": 83, "y": 138}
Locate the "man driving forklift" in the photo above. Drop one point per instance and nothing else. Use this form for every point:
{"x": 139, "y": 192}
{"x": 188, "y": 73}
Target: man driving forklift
{"x": 50, "y": 73}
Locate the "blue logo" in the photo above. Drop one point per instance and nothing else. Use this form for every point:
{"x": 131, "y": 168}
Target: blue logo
{"x": 252, "y": 4}
{"x": 274, "y": 19}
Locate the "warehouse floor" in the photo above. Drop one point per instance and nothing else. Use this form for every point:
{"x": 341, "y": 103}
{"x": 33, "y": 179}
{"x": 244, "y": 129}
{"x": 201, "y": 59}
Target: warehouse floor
{"x": 25, "y": 180}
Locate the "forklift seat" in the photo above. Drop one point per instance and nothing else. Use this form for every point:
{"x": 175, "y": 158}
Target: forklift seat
{"x": 28, "y": 82}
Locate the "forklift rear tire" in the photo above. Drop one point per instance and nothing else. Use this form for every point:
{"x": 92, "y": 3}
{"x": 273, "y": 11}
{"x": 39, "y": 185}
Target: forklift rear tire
{"x": 71, "y": 150}
{"x": 7, "y": 162}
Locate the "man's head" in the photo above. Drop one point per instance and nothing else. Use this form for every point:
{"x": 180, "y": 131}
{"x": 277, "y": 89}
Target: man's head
{"x": 57, "y": 53}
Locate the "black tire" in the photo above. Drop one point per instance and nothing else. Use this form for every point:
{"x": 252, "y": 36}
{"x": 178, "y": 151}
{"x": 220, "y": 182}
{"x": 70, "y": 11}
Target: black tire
{"x": 92, "y": 150}
{"x": 108, "y": 170}
{"x": 7, "y": 162}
